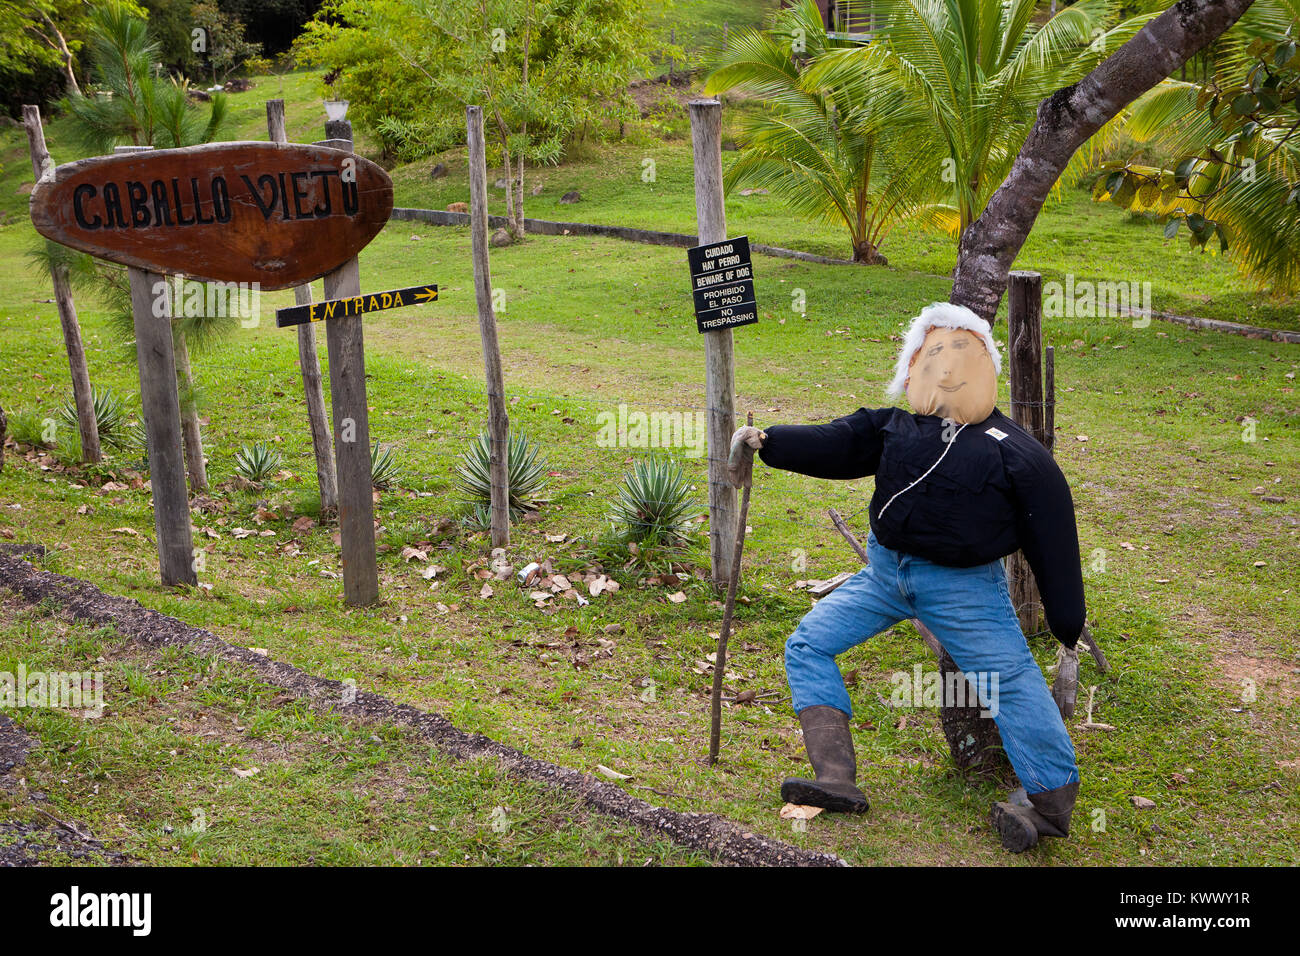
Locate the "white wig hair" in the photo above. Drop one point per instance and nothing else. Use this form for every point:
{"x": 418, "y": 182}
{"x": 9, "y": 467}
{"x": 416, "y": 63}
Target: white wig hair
{"x": 940, "y": 315}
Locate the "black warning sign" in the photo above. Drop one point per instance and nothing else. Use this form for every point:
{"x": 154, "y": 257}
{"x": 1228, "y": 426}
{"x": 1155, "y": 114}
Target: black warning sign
{"x": 722, "y": 281}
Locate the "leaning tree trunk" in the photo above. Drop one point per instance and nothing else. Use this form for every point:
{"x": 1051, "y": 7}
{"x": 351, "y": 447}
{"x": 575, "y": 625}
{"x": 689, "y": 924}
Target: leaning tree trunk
{"x": 1066, "y": 120}
{"x": 65, "y": 55}
{"x": 195, "y": 469}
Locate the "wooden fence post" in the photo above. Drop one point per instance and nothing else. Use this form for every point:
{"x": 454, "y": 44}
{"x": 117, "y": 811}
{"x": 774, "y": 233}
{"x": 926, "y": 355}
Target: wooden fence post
{"x": 82, "y": 396}
{"x": 498, "y": 418}
{"x": 151, "y": 314}
{"x": 309, "y": 361}
{"x": 719, "y": 361}
{"x": 345, "y": 343}
{"x": 1025, "y": 348}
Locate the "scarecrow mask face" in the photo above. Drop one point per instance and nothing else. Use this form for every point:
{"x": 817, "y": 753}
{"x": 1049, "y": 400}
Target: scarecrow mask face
{"x": 952, "y": 376}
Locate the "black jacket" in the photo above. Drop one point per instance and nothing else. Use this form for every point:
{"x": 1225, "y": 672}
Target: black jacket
{"x": 989, "y": 497}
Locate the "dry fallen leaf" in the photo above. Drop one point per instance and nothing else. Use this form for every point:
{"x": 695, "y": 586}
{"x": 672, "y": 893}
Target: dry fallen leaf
{"x": 130, "y": 531}
{"x": 612, "y": 774}
{"x": 409, "y": 553}
{"x": 795, "y": 811}
{"x": 486, "y": 591}
{"x": 1143, "y": 803}
{"x": 677, "y": 597}
{"x": 245, "y": 773}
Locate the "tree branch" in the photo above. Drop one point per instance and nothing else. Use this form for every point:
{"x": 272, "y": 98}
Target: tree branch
{"x": 1066, "y": 120}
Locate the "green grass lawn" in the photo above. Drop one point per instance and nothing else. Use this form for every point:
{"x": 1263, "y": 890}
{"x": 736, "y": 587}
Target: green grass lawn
{"x": 199, "y": 762}
{"x": 1192, "y": 581}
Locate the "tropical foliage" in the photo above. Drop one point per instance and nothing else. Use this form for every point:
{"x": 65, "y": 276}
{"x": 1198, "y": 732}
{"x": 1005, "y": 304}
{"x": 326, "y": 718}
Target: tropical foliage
{"x": 841, "y": 153}
{"x": 132, "y": 104}
{"x": 541, "y": 70}
{"x": 1234, "y": 177}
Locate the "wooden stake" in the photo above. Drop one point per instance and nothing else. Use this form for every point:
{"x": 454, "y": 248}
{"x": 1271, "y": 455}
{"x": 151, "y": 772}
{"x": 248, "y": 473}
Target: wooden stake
{"x": 1025, "y": 346}
{"x": 309, "y": 362}
{"x": 498, "y": 418}
{"x": 720, "y": 658}
{"x": 719, "y": 361}
{"x": 345, "y": 343}
{"x": 82, "y": 396}
{"x": 1049, "y": 398}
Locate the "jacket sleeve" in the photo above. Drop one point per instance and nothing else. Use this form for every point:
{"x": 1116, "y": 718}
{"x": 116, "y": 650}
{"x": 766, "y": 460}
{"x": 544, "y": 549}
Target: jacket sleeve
{"x": 1048, "y": 537}
{"x": 848, "y": 447}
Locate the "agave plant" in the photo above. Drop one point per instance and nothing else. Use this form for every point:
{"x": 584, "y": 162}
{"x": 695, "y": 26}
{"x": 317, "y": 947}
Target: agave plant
{"x": 257, "y": 462}
{"x": 384, "y": 469}
{"x": 654, "y": 503}
{"x": 525, "y": 475}
{"x": 110, "y": 419}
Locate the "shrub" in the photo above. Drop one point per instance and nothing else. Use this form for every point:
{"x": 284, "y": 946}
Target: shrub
{"x": 384, "y": 469}
{"x": 654, "y": 503}
{"x": 257, "y": 462}
{"x": 110, "y": 419}
{"x": 525, "y": 477}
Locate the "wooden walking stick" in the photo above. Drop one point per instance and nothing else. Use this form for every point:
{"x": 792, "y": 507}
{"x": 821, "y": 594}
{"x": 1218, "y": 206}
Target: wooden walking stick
{"x": 720, "y": 658}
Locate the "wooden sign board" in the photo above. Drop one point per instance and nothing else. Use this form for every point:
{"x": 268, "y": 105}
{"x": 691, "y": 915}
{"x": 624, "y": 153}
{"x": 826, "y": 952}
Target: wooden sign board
{"x": 356, "y": 305}
{"x": 722, "y": 281}
{"x": 278, "y": 214}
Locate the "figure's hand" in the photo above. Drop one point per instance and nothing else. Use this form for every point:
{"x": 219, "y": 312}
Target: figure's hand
{"x": 740, "y": 462}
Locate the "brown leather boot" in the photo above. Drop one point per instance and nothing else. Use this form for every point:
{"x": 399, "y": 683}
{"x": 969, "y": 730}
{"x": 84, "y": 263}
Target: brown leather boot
{"x": 829, "y": 743}
{"x": 1020, "y": 822}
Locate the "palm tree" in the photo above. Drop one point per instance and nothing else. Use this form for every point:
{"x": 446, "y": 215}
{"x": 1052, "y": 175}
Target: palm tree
{"x": 978, "y": 70}
{"x": 838, "y": 154}
{"x": 135, "y": 105}
{"x": 1237, "y": 132}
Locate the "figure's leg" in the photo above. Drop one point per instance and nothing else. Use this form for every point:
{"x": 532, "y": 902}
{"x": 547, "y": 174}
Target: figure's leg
{"x": 861, "y": 607}
{"x": 970, "y": 612}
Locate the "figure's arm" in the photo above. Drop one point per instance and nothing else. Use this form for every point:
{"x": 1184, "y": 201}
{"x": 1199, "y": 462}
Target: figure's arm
{"x": 848, "y": 447}
{"x": 1049, "y": 539}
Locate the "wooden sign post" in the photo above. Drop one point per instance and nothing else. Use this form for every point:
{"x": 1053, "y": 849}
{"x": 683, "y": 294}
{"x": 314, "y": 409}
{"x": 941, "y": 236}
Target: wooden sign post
{"x": 719, "y": 363}
{"x": 269, "y": 215}
{"x": 154, "y": 349}
{"x": 345, "y": 343}
{"x": 278, "y": 214}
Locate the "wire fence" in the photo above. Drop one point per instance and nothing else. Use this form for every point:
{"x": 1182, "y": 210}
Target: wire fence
{"x": 589, "y": 445}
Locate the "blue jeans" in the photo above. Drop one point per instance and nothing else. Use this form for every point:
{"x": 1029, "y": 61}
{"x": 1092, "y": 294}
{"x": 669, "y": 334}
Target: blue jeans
{"x": 970, "y": 612}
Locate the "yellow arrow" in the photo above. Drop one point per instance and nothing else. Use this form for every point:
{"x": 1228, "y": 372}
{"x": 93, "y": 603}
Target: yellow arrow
{"x": 428, "y": 295}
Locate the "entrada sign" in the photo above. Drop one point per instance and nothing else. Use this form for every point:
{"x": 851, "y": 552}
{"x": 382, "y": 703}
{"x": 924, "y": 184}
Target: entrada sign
{"x": 355, "y": 305}
{"x": 274, "y": 213}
